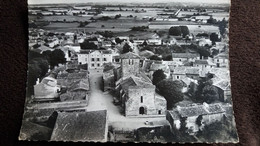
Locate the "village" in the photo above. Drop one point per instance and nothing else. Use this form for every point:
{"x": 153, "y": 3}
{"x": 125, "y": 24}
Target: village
{"x": 164, "y": 80}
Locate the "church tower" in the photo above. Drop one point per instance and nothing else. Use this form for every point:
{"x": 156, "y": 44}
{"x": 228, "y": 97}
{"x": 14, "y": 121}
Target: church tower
{"x": 130, "y": 64}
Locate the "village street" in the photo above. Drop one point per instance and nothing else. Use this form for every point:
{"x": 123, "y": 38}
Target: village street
{"x": 104, "y": 100}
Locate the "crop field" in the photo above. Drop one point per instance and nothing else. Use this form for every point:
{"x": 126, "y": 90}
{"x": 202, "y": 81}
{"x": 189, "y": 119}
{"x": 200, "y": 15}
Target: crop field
{"x": 110, "y": 25}
{"x": 195, "y": 29}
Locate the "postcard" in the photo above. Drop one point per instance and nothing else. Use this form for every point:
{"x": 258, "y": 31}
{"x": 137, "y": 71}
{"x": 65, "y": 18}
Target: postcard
{"x": 134, "y": 71}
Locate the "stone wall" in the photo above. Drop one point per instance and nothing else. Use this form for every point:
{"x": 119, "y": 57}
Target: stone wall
{"x": 139, "y": 98}
{"x": 130, "y": 67}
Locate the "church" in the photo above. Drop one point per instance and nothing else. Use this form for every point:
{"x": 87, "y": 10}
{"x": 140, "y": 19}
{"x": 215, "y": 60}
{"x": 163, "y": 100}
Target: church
{"x": 134, "y": 89}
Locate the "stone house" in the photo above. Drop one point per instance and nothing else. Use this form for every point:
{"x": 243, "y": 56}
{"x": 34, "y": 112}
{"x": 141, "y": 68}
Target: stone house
{"x": 96, "y": 58}
{"x": 47, "y": 89}
{"x": 224, "y": 90}
{"x": 204, "y": 66}
{"x": 187, "y": 56}
{"x": 221, "y": 60}
{"x": 79, "y": 126}
{"x": 209, "y": 113}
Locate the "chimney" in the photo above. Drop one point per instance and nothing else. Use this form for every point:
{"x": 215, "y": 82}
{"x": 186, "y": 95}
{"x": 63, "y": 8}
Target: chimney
{"x": 37, "y": 81}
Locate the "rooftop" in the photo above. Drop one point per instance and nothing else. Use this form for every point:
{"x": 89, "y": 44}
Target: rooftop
{"x": 185, "y": 55}
{"x": 129, "y": 55}
{"x": 80, "y": 126}
{"x": 196, "y": 110}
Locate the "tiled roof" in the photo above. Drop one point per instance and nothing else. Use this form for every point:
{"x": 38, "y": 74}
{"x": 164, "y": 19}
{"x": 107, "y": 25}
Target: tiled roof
{"x": 196, "y": 110}
{"x": 179, "y": 70}
{"x": 204, "y": 62}
{"x": 185, "y": 55}
{"x": 156, "y": 66}
{"x": 80, "y": 126}
{"x": 192, "y": 70}
{"x": 129, "y": 55}
{"x": 82, "y": 84}
{"x": 76, "y": 95}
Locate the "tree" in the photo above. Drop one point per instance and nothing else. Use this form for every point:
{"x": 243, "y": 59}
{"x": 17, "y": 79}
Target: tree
{"x": 57, "y": 56}
{"x": 117, "y": 16}
{"x": 155, "y": 57}
{"x": 126, "y": 48}
{"x": 222, "y": 26}
{"x": 206, "y": 92}
{"x": 158, "y": 75}
{"x": 167, "y": 57}
{"x": 210, "y": 93}
{"x": 145, "y": 43}
{"x": 185, "y": 31}
{"x": 199, "y": 120}
{"x": 171, "y": 90}
{"x": 175, "y": 31}
{"x": 214, "y": 38}
{"x": 118, "y": 40}
{"x": 88, "y": 45}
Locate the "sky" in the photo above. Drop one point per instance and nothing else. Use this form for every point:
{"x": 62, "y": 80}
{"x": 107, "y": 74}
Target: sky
{"x": 130, "y": 1}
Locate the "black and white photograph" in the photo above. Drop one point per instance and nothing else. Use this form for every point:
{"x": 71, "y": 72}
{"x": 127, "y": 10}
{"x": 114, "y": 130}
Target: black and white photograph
{"x": 129, "y": 71}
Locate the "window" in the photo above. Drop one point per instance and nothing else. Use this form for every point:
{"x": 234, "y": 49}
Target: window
{"x": 179, "y": 59}
{"x": 159, "y": 112}
{"x": 97, "y": 59}
{"x": 92, "y": 64}
{"x": 98, "y": 64}
{"x": 132, "y": 61}
{"x": 129, "y": 61}
{"x": 205, "y": 65}
{"x": 104, "y": 59}
{"x": 92, "y": 59}
{"x": 141, "y": 99}
{"x": 217, "y": 60}
{"x": 178, "y": 77}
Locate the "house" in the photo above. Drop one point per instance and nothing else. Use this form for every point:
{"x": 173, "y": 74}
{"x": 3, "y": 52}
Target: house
{"x": 95, "y": 58}
{"x": 187, "y": 56}
{"x": 81, "y": 126}
{"x": 78, "y": 90}
{"x": 224, "y": 90}
{"x": 204, "y": 66}
{"x": 47, "y": 89}
{"x": 178, "y": 73}
{"x": 221, "y": 60}
{"x": 135, "y": 90}
{"x": 209, "y": 113}
{"x": 109, "y": 76}
{"x": 64, "y": 78}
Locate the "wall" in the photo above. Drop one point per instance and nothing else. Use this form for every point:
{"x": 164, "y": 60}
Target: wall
{"x": 130, "y": 67}
{"x": 133, "y": 102}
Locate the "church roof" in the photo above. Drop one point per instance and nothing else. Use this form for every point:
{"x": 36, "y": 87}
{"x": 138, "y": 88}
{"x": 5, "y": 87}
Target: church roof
{"x": 129, "y": 55}
{"x": 80, "y": 126}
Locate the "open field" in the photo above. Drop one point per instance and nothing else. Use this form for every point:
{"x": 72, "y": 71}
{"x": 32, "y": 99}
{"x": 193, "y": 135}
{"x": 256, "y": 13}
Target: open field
{"x": 110, "y": 25}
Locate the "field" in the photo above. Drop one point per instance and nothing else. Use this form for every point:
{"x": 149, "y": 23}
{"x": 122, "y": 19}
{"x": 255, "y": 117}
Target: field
{"x": 110, "y": 25}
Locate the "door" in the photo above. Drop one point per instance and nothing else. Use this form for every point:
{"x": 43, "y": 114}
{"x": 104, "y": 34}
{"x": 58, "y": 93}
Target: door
{"x": 141, "y": 110}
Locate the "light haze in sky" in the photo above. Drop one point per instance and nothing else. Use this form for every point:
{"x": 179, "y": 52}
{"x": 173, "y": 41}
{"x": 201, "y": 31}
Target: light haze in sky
{"x": 128, "y": 1}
